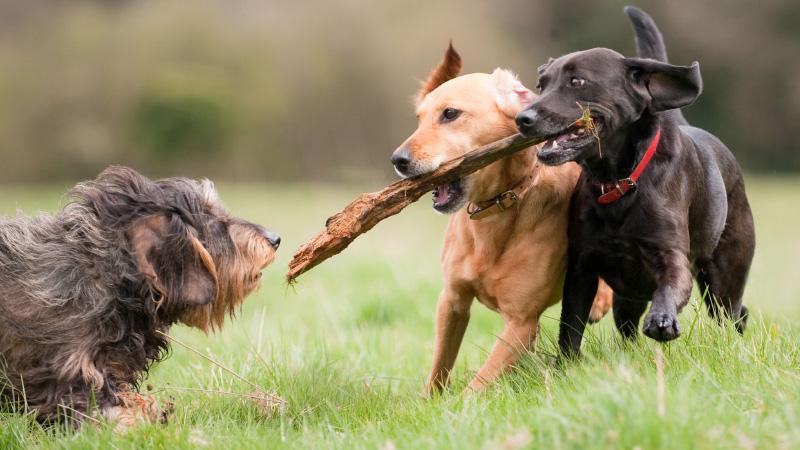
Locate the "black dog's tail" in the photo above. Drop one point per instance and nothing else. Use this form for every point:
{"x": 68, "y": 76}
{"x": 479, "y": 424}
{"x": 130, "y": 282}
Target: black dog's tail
{"x": 649, "y": 43}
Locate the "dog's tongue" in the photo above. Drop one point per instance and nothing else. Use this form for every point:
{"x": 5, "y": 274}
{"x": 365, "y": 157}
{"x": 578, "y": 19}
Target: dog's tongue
{"x": 440, "y": 194}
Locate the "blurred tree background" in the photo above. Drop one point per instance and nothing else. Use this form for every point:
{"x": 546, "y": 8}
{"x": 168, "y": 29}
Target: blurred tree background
{"x": 316, "y": 89}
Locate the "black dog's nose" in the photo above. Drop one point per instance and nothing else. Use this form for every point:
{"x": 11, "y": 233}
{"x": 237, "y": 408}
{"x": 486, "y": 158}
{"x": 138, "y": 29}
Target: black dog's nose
{"x": 401, "y": 159}
{"x": 273, "y": 239}
{"x": 525, "y": 120}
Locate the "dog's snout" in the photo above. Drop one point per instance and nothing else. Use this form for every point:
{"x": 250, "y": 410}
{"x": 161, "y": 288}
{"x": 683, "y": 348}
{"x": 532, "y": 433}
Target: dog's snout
{"x": 273, "y": 239}
{"x": 525, "y": 120}
{"x": 401, "y": 160}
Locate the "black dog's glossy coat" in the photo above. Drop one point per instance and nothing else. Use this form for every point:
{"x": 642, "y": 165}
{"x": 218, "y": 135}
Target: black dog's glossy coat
{"x": 689, "y": 216}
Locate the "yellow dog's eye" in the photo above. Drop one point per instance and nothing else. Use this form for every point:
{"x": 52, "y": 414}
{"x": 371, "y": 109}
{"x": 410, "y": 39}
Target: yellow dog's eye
{"x": 450, "y": 114}
{"x": 576, "y": 82}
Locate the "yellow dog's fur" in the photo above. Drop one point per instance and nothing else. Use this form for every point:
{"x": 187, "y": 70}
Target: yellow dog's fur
{"x": 514, "y": 261}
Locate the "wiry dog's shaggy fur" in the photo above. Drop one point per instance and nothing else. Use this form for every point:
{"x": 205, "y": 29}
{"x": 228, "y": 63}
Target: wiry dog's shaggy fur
{"x": 84, "y": 293}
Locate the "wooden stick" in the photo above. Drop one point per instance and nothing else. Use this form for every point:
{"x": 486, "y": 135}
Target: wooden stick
{"x": 368, "y": 209}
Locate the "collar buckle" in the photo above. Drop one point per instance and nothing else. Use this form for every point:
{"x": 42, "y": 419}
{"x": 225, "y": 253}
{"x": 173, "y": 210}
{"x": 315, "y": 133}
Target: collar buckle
{"x": 506, "y": 200}
{"x": 632, "y": 184}
{"x": 611, "y": 192}
{"x": 498, "y": 203}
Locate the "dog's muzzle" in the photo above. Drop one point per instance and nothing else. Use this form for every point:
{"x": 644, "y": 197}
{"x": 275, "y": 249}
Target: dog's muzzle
{"x": 526, "y": 120}
{"x": 272, "y": 238}
{"x": 401, "y": 160}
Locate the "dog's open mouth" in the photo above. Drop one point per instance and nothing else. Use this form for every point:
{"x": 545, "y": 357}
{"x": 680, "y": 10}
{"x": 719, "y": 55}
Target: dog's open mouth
{"x": 566, "y": 145}
{"x": 447, "y": 198}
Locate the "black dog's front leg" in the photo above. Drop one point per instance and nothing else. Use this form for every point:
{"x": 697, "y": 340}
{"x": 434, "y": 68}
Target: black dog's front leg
{"x": 580, "y": 286}
{"x": 673, "y": 287}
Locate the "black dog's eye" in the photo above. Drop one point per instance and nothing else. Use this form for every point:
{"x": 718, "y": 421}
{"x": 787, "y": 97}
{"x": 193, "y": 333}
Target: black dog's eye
{"x": 539, "y": 87}
{"x": 450, "y": 114}
{"x": 636, "y": 75}
{"x": 576, "y": 82}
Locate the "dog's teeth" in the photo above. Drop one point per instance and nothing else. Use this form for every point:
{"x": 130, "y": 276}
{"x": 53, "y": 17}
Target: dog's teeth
{"x": 555, "y": 144}
{"x": 582, "y": 130}
{"x": 573, "y": 135}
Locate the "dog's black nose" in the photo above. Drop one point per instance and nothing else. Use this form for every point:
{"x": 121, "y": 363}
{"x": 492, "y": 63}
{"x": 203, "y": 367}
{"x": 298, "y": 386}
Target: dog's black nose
{"x": 525, "y": 120}
{"x": 273, "y": 239}
{"x": 401, "y": 159}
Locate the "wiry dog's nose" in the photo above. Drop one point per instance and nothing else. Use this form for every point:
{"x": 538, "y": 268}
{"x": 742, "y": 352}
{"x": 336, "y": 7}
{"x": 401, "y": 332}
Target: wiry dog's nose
{"x": 271, "y": 237}
{"x": 525, "y": 120}
{"x": 401, "y": 159}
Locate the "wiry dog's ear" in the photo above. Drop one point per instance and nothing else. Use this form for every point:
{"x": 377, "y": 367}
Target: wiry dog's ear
{"x": 668, "y": 86}
{"x": 448, "y": 69}
{"x": 173, "y": 261}
{"x": 511, "y": 96}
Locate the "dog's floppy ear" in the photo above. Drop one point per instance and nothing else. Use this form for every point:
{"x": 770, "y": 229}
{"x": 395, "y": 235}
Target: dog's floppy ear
{"x": 668, "y": 86}
{"x": 511, "y": 96}
{"x": 173, "y": 261}
{"x": 448, "y": 69}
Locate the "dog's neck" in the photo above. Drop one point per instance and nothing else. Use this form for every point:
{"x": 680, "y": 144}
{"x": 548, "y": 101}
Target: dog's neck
{"x": 622, "y": 151}
{"x": 502, "y": 175}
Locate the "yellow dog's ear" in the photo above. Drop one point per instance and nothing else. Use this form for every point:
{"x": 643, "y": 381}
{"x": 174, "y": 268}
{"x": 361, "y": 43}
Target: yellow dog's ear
{"x": 511, "y": 96}
{"x": 448, "y": 69}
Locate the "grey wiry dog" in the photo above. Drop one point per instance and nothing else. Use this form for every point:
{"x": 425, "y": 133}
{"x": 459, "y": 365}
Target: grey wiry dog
{"x": 84, "y": 292}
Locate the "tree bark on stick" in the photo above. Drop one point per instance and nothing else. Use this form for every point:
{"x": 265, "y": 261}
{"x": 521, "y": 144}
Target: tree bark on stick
{"x": 368, "y": 209}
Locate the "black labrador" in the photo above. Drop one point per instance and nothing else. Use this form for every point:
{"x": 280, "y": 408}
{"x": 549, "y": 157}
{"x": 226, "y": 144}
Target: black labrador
{"x": 659, "y": 201}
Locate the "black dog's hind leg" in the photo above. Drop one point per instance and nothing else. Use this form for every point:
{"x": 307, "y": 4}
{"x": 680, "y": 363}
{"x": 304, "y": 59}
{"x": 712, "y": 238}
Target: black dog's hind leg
{"x": 627, "y": 314}
{"x": 725, "y": 275}
{"x": 579, "y": 290}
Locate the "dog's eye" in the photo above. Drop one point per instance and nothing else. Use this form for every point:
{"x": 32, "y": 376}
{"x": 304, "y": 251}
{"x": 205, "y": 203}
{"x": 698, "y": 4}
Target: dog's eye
{"x": 539, "y": 87}
{"x": 576, "y": 82}
{"x": 450, "y": 114}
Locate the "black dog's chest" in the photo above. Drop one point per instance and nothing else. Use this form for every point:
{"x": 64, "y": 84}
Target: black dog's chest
{"x": 623, "y": 265}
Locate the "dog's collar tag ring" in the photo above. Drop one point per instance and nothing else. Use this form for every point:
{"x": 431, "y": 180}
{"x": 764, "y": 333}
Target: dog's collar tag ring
{"x": 497, "y": 204}
{"x": 611, "y": 192}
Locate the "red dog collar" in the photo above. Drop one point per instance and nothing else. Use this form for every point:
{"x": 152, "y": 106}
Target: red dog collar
{"x": 613, "y": 191}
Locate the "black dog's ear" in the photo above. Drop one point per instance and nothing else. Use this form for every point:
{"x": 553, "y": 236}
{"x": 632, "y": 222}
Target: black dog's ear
{"x": 669, "y": 86}
{"x": 174, "y": 262}
{"x": 540, "y": 70}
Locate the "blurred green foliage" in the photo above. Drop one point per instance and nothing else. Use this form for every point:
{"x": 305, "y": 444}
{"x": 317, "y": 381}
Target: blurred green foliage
{"x": 320, "y": 90}
{"x": 171, "y": 124}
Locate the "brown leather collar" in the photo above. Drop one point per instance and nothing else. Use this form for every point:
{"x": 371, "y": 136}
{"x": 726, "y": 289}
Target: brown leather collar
{"x": 499, "y": 202}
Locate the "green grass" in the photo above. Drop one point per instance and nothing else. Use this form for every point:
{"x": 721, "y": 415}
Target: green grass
{"x": 349, "y": 348}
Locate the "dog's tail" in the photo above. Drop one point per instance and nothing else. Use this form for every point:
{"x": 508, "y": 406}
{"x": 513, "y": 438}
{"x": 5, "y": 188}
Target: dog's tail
{"x": 650, "y": 43}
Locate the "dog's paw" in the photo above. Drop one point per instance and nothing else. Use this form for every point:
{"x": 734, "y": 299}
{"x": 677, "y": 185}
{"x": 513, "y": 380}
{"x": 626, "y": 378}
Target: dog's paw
{"x": 600, "y": 308}
{"x": 603, "y": 300}
{"x": 661, "y": 326}
{"x": 741, "y": 324}
{"x": 135, "y": 409}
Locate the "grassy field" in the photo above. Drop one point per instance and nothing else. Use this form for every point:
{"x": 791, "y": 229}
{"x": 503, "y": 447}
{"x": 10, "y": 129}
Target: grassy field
{"x": 349, "y": 348}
